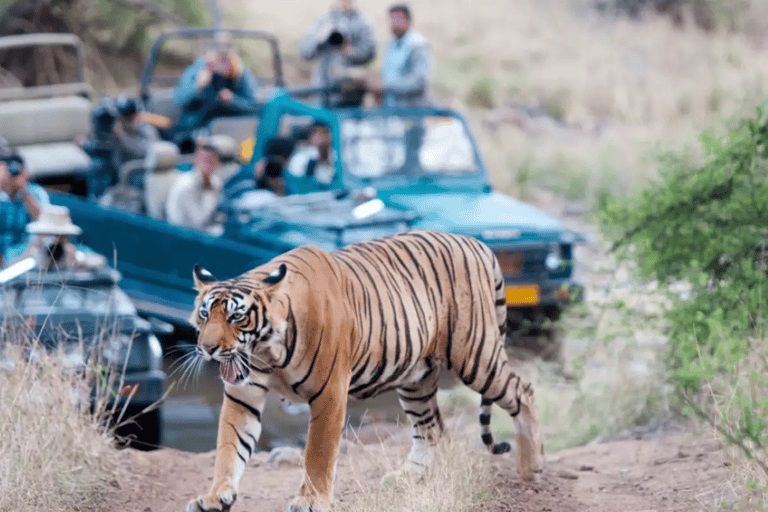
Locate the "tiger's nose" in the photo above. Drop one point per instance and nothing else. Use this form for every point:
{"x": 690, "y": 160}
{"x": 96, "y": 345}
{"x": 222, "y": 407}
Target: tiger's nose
{"x": 210, "y": 348}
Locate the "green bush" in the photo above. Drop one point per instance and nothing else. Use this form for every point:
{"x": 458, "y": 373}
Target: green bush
{"x": 707, "y": 226}
{"x": 128, "y": 27}
{"x": 482, "y": 94}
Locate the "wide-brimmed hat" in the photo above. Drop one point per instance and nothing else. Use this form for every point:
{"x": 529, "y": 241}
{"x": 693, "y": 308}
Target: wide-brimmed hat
{"x": 53, "y": 220}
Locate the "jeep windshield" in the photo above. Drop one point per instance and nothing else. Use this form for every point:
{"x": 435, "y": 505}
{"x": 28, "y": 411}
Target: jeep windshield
{"x": 389, "y": 145}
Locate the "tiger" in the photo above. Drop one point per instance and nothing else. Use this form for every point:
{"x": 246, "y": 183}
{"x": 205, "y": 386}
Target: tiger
{"x": 384, "y": 314}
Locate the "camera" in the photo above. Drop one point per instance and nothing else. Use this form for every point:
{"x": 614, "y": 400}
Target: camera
{"x": 335, "y": 38}
{"x": 14, "y": 164}
{"x": 103, "y": 117}
{"x": 127, "y": 106}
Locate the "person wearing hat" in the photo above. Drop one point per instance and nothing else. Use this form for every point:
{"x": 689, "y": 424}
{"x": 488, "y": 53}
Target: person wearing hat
{"x": 215, "y": 84}
{"x": 134, "y": 135}
{"x": 20, "y": 200}
{"x": 51, "y": 246}
{"x": 194, "y": 196}
{"x": 341, "y": 41}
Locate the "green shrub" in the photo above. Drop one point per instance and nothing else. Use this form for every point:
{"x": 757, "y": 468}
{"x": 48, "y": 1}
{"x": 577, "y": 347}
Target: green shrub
{"x": 707, "y": 226}
{"x": 482, "y": 94}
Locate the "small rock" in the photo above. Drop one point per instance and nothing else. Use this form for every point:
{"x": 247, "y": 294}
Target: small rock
{"x": 586, "y": 467}
{"x": 288, "y": 455}
{"x": 567, "y": 474}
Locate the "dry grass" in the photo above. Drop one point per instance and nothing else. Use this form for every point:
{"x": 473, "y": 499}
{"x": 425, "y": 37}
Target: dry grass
{"x": 53, "y": 454}
{"x": 459, "y": 481}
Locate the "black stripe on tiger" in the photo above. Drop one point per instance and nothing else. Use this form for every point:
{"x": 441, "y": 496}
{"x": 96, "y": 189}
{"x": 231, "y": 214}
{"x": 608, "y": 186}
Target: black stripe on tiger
{"x": 485, "y": 429}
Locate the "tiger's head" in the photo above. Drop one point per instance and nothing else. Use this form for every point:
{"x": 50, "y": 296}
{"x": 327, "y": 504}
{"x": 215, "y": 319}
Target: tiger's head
{"x": 238, "y": 323}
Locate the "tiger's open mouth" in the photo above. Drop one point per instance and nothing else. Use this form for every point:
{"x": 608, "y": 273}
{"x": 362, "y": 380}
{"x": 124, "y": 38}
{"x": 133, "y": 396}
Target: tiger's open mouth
{"x": 231, "y": 370}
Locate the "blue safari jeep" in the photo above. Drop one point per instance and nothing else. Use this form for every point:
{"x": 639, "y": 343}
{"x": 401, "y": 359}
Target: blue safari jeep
{"x": 398, "y": 169}
{"x": 391, "y": 170}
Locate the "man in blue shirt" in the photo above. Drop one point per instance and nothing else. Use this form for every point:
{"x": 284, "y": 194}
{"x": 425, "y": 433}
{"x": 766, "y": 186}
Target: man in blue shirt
{"x": 407, "y": 69}
{"x": 20, "y": 201}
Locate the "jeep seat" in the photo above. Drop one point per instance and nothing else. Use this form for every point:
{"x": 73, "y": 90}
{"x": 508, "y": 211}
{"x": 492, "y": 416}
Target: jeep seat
{"x": 44, "y": 130}
{"x": 160, "y": 163}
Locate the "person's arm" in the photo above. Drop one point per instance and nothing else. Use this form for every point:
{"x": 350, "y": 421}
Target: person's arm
{"x": 137, "y": 145}
{"x": 187, "y": 88}
{"x": 363, "y": 48}
{"x": 297, "y": 165}
{"x": 417, "y": 80}
{"x": 244, "y": 96}
{"x": 34, "y": 197}
{"x": 314, "y": 40}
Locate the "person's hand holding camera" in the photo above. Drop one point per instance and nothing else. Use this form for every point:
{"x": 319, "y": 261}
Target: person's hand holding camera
{"x": 226, "y": 95}
{"x": 203, "y": 78}
{"x": 14, "y": 183}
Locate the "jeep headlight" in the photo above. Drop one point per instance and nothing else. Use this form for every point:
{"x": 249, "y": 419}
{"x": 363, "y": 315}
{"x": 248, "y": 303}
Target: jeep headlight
{"x": 554, "y": 259}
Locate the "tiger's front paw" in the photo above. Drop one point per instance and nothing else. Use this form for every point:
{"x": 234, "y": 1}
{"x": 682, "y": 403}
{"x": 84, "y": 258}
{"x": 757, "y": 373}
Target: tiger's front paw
{"x": 220, "y": 501}
{"x": 304, "y": 504}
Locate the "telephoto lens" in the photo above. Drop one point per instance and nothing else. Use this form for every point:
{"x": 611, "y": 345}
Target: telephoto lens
{"x": 336, "y": 38}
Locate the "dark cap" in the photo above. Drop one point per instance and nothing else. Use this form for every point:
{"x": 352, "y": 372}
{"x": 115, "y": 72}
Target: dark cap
{"x": 14, "y": 162}
{"x": 127, "y": 106}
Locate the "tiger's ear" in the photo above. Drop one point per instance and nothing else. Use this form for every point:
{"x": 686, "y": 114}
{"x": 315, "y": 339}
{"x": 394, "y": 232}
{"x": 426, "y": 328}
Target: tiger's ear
{"x": 276, "y": 276}
{"x": 202, "y": 277}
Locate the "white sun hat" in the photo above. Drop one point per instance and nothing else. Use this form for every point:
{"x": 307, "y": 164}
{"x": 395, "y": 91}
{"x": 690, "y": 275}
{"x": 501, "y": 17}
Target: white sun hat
{"x": 53, "y": 220}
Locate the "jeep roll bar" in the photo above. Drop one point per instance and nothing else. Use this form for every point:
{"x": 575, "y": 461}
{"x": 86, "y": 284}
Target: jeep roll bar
{"x": 207, "y": 33}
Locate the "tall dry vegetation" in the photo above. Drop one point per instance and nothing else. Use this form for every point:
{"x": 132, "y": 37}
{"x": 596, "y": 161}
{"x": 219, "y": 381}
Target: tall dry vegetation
{"x": 460, "y": 480}
{"x": 54, "y": 454}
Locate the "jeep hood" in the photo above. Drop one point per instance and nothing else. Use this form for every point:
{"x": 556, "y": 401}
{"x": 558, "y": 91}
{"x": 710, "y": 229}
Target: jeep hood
{"x": 473, "y": 212}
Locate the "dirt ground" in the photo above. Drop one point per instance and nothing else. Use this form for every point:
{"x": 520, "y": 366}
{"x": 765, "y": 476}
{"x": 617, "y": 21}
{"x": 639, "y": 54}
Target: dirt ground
{"x": 658, "y": 472}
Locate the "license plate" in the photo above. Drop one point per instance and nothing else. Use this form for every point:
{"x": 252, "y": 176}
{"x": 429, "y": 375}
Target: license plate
{"x": 526, "y": 294}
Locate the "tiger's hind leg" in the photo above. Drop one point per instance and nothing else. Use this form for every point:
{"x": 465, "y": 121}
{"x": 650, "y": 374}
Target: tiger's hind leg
{"x": 419, "y": 401}
{"x": 517, "y": 398}
{"x": 498, "y": 383}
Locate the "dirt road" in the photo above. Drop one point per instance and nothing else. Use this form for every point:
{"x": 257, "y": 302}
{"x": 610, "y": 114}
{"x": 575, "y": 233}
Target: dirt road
{"x": 665, "y": 472}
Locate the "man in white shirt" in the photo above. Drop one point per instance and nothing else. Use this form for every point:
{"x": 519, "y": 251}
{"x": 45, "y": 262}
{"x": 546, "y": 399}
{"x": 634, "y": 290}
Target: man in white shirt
{"x": 194, "y": 197}
{"x": 317, "y": 161}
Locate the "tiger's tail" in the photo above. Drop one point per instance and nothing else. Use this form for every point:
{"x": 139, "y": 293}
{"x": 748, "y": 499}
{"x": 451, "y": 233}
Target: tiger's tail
{"x": 485, "y": 429}
{"x": 501, "y": 317}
